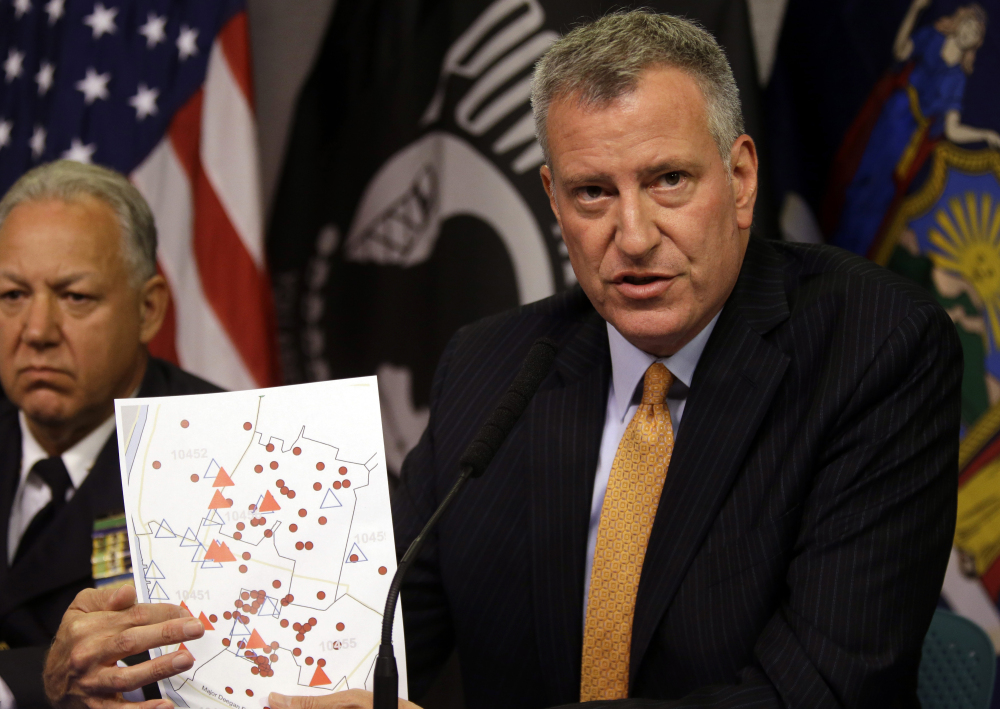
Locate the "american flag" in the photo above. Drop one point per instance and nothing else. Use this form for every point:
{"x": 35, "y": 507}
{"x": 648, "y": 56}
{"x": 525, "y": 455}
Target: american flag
{"x": 161, "y": 91}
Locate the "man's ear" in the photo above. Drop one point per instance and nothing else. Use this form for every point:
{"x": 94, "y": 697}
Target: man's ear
{"x": 743, "y": 159}
{"x": 154, "y": 296}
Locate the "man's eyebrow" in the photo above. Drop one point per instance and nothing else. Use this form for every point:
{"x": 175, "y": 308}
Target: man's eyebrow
{"x": 63, "y": 281}
{"x": 586, "y": 179}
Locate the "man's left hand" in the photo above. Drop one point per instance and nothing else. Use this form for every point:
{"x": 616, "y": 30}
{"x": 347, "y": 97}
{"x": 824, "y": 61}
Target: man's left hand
{"x": 351, "y": 699}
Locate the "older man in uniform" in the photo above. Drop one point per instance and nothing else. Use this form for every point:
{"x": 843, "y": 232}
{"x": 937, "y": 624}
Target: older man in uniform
{"x": 80, "y": 299}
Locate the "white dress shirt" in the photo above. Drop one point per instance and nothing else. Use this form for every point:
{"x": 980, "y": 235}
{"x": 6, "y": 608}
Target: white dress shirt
{"x": 32, "y": 492}
{"x": 628, "y": 366}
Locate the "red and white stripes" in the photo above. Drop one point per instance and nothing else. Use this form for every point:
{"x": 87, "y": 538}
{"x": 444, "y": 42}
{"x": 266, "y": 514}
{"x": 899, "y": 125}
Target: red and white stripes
{"x": 203, "y": 185}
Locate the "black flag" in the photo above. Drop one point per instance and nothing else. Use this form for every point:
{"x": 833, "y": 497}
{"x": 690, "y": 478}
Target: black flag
{"x": 410, "y": 203}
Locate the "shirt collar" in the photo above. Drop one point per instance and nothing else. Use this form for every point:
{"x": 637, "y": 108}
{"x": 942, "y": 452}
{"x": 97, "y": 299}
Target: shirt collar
{"x": 78, "y": 460}
{"x": 629, "y": 364}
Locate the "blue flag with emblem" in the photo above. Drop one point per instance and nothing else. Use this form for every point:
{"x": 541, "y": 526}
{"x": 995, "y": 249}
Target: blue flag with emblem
{"x": 890, "y": 148}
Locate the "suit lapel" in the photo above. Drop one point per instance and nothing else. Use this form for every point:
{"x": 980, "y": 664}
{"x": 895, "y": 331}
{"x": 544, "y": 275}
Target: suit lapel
{"x": 734, "y": 383}
{"x": 566, "y": 424}
{"x": 10, "y": 476}
{"x": 62, "y": 554}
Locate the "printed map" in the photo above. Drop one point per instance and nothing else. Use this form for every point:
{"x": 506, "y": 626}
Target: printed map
{"x": 266, "y": 514}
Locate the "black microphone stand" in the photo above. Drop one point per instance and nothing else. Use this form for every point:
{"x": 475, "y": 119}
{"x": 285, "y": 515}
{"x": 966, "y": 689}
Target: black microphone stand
{"x": 386, "y": 675}
{"x": 472, "y": 464}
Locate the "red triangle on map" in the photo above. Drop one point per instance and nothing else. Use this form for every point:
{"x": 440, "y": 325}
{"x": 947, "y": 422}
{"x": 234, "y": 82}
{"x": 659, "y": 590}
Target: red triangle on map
{"x": 319, "y": 677}
{"x": 222, "y": 479}
{"x": 269, "y": 504}
{"x": 185, "y": 607}
{"x": 256, "y": 642}
{"x": 219, "y": 552}
{"x": 182, "y": 647}
{"x": 219, "y": 502}
{"x": 205, "y": 621}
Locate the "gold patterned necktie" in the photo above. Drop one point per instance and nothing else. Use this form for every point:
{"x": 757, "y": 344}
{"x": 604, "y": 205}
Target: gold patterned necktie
{"x": 630, "y": 503}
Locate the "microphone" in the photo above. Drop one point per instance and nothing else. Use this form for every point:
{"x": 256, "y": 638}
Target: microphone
{"x": 473, "y": 463}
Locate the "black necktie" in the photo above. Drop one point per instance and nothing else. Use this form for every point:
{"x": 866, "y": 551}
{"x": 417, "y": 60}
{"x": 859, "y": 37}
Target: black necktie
{"x": 53, "y": 472}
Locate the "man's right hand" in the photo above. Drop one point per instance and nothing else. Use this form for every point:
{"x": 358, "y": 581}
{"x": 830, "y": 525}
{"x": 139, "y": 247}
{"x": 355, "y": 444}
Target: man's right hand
{"x": 102, "y": 627}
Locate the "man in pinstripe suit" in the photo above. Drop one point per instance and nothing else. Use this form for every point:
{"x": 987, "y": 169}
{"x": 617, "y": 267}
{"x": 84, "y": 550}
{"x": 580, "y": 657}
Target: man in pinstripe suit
{"x": 803, "y": 448}
{"x": 805, "y": 521}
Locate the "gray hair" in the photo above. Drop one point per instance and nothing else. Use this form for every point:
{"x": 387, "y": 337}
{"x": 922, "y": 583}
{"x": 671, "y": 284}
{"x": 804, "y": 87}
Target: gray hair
{"x": 65, "y": 180}
{"x": 602, "y": 61}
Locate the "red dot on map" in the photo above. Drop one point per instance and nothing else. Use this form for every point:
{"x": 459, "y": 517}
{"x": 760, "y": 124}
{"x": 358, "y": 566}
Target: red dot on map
{"x": 322, "y": 520}
{"x": 229, "y": 690}
{"x": 300, "y": 637}
{"x": 246, "y": 556}
{"x": 156, "y": 465}
{"x": 247, "y": 426}
{"x": 245, "y": 596}
{"x": 225, "y": 642}
{"x": 320, "y": 466}
{"x": 297, "y": 627}
{"x": 240, "y": 526}
{"x": 309, "y": 546}
{"x": 382, "y": 570}
{"x": 276, "y": 583}
{"x": 297, "y": 652}
{"x": 274, "y": 646}
{"x": 312, "y": 622}
{"x": 213, "y": 618}
{"x": 249, "y": 692}
{"x": 302, "y": 512}
{"x": 354, "y": 557}
{"x": 184, "y": 423}
{"x": 309, "y": 660}
{"x": 299, "y": 545}
{"x": 321, "y": 662}
{"x": 252, "y": 507}
{"x": 229, "y": 502}
{"x": 227, "y": 615}
{"x": 237, "y": 536}
{"x": 296, "y": 451}
{"x": 243, "y": 567}
{"x": 255, "y": 670}
{"x": 283, "y": 490}
{"x": 347, "y": 483}
{"x": 284, "y": 622}
{"x": 293, "y": 527}
{"x": 274, "y": 465}
{"x": 194, "y": 478}
{"x": 274, "y": 656}
{"x": 290, "y": 598}
{"x": 238, "y": 604}
{"x": 268, "y": 533}
{"x": 321, "y": 595}
{"x": 291, "y": 494}
{"x": 270, "y": 447}
{"x": 248, "y": 653}
{"x": 337, "y": 485}
{"x": 317, "y": 486}
{"x": 340, "y": 626}
{"x": 241, "y": 644}
{"x": 258, "y": 468}
{"x": 343, "y": 470}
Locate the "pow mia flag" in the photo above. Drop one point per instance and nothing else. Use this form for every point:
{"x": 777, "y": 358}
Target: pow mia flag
{"x": 410, "y": 203}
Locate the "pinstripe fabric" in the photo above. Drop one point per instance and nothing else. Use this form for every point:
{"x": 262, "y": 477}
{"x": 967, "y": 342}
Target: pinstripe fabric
{"x": 801, "y": 535}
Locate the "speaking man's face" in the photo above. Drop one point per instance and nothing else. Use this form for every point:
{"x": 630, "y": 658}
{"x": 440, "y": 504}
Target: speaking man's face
{"x": 72, "y": 325}
{"x": 655, "y": 228}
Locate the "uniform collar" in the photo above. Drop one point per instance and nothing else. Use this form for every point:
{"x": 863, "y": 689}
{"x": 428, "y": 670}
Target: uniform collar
{"x": 78, "y": 460}
{"x": 629, "y": 364}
